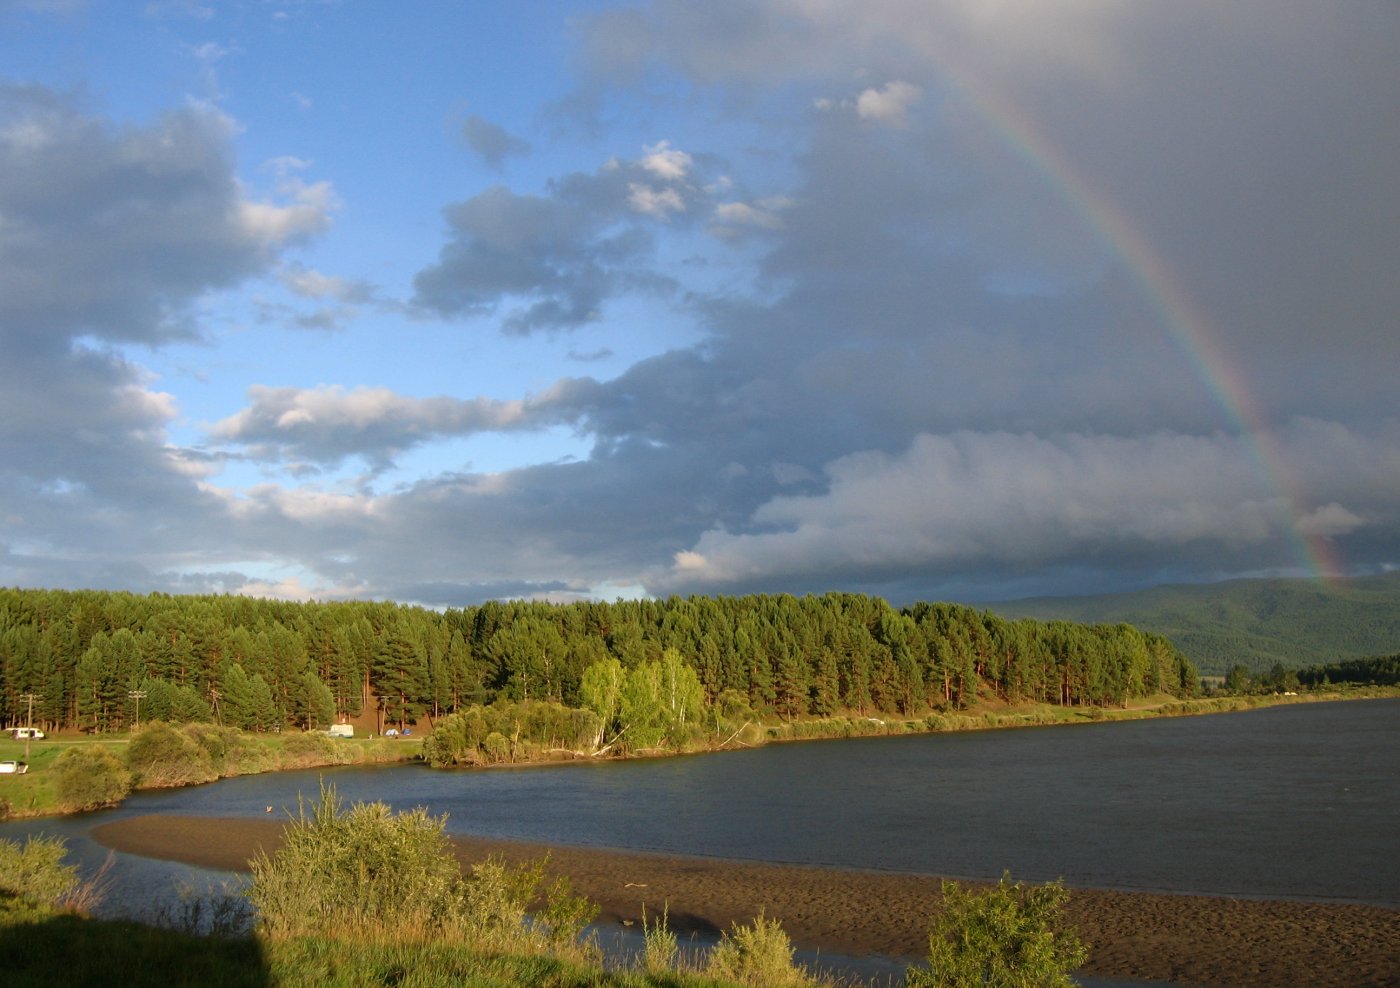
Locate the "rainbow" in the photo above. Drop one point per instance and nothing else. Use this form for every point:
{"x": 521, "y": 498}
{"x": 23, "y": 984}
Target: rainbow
{"x": 1184, "y": 321}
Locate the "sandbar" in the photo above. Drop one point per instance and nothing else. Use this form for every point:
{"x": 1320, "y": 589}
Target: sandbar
{"x": 1183, "y": 939}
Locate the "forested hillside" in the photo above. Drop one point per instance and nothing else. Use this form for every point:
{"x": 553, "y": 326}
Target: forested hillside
{"x": 79, "y": 657}
{"x": 1254, "y": 623}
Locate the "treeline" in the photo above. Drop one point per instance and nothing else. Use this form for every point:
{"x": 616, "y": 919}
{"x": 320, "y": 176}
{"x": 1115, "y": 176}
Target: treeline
{"x": 87, "y": 659}
{"x": 1383, "y": 670}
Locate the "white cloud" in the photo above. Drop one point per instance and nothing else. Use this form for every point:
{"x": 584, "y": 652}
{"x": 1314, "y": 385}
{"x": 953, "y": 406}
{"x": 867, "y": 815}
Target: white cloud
{"x": 306, "y": 214}
{"x": 310, "y": 283}
{"x": 665, "y": 162}
{"x": 1328, "y": 521}
{"x": 890, "y": 104}
{"x": 653, "y": 201}
{"x": 328, "y": 423}
{"x": 1017, "y": 501}
{"x": 732, "y": 218}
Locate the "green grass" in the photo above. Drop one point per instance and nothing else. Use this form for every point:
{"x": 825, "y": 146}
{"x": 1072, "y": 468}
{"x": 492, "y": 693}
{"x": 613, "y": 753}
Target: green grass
{"x": 35, "y": 793}
{"x": 43, "y": 948}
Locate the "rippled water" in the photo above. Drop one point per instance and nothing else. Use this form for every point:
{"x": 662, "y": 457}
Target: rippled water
{"x": 1300, "y": 801}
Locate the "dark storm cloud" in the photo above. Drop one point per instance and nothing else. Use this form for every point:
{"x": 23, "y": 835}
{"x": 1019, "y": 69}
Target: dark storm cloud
{"x": 958, "y": 276}
{"x": 553, "y": 261}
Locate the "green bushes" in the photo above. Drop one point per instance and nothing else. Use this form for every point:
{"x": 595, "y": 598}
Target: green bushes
{"x": 759, "y": 954}
{"x": 518, "y": 731}
{"x": 661, "y": 949}
{"x": 355, "y": 869}
{"x": 369, "y": 873}
{"x": 36, "y": 871}
{"x": 160, "y": 756}
{"x": 89, "y": 777}
{"x": 314, "y": 748}
{"x": 1009, "y": 936}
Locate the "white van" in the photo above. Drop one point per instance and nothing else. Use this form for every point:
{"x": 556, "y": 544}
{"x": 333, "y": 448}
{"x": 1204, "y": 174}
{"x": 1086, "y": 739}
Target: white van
{"x": 26, "y": 733}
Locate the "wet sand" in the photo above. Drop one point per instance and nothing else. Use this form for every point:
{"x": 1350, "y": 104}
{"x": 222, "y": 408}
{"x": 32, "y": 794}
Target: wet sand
{"x": 1187, "y": 940}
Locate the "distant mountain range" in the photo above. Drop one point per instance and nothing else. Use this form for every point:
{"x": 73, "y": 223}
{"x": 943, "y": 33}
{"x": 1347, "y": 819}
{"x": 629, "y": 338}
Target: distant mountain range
{"x": 1256, "y": 623}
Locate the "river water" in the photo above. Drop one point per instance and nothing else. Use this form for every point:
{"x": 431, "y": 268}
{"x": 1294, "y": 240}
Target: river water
{"x": 1299, "y": 801}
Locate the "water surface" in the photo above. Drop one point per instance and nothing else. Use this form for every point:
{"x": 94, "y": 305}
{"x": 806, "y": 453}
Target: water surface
{"x": 1299, "y": 801}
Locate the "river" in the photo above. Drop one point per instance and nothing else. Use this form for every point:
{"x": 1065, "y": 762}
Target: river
{"x": 1297, "y": 801}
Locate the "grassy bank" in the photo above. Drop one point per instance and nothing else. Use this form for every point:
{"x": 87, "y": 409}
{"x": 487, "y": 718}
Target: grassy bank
{"x": 227, "y": 753}
{"x": 1002, "y": 716}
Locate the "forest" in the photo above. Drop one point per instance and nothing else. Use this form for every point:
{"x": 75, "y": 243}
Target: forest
{"x": 101, "y": 661}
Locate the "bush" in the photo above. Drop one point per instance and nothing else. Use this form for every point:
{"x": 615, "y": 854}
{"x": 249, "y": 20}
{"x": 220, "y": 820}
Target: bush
{"x": 362, "y": 869}
{"x": 214, "y": 741}
{"x": 160, "y": 756}
{"x": 759, "y": 954}
{"x": 372, "y": 874}
{"x": 662, "y": 949}
{"x": 496, "y": 746}
{"x": 36, "y": 871}
{"x": 1009, "y": 936}
{"x": 313, "y": 748}
{"x": 90, "y": 776}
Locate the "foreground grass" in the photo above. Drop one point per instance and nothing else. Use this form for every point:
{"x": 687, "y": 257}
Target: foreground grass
{"x": 42, "y": 948}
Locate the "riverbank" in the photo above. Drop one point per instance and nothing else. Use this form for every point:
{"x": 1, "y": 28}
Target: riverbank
{"x": 1198, "y": 940}
{"x": 34, "y": 794}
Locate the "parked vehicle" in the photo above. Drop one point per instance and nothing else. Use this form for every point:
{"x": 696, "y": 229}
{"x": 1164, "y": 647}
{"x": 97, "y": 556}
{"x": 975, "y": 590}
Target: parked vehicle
{"x": 26, "y": 733}
{"x": 13, "y": 768}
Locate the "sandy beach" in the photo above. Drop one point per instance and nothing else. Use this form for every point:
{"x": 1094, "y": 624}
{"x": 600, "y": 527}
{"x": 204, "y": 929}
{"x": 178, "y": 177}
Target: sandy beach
{"x": 1188, "y": 940}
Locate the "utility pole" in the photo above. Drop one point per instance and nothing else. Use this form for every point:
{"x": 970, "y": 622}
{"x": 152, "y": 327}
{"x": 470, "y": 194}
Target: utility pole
{"x": 138, "y": 696}
{"x": 31, "y": 697}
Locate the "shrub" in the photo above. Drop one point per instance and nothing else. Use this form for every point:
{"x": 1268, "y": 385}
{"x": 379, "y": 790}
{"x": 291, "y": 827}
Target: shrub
{"x": 759, "y": 954}
{"x": 456, "y": 739}
{"x": 313, "y": 748}
{"x": 213, "y": 740}
{"x": 159, "y": 756}
{"x": 369, "y": 873}
{"x": 1009, "y": 936}
{"x": 36, "y": 871}
{"x": 565, "y": 915}
{"x": 365, "y": 868}
{"x": 661, "y": 948}
{"x": 497, "y": 747}
{"x": 90, "y": 776}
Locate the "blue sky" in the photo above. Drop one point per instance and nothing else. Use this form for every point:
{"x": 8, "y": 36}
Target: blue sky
{"x": 438, "y": 302}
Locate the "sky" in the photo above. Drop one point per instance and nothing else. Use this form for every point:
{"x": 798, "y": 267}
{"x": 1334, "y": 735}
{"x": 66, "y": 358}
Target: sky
{"x": 441, "y": 302}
